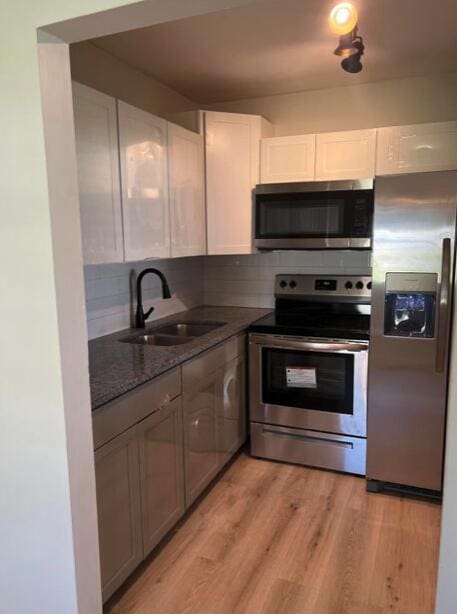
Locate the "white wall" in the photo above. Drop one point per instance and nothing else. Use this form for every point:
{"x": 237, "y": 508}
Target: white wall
{"x": 248, "y": 281}
{"x": 48, "y": 539}
{"x": 111, "y": 292}
{"x": 447, "y": 569}
{"x": 370, "y": 105}
{"x": 99, "y": 69}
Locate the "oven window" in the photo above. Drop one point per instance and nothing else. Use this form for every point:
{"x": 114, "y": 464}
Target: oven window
{"x": 308, "y": 380}
{"x": 295, "y": 218}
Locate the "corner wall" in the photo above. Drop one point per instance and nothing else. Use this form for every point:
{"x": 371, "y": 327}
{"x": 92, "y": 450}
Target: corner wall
{"x": 369, "y": 105}
{"x": 111, "y": 292}
{"x": 99, "y": 69}
{"x": 248, "y": 281}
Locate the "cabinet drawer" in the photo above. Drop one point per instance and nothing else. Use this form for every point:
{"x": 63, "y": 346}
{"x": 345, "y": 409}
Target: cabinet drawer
{"x": 313, "y": 448}
{"x": 210, "y": 361}
{"x": 117, "y": 416}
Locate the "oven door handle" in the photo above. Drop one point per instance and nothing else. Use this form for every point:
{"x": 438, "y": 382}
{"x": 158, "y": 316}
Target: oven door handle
{"x": 314, "y": 346}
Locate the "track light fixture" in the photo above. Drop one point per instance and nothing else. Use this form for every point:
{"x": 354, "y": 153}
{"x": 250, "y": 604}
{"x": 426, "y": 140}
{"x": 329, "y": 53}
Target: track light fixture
{"x": 352, "y": 62}
{"x": 343, "y": 21}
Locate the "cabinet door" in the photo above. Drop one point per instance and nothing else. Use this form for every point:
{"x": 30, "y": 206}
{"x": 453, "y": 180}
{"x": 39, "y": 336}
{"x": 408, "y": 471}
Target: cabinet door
{"x": 345, "y": 155}
{"x": 119, "y": 510}
{"x": 232, "y": 408}
{"x": 232, "y": 171}
{"x": 98, "y": 175}
{"x": 287, "y": 158}
{"x": 201, "y": 458}
{"x": 161, "y": 471}
{"x": 417, "y": 148}
{"x": 144, "y": 176}
{"x": 187, "y": 192}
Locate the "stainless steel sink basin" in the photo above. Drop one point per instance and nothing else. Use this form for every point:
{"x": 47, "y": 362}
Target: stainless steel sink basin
{"x": 153, "y": 339}
{"x": 173, "y": 334}
{"x": 189, "y": 329}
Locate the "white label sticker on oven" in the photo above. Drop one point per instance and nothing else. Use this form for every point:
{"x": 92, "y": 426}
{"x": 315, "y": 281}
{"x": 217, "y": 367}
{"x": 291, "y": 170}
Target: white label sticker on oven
{"x": 301, "y": 377}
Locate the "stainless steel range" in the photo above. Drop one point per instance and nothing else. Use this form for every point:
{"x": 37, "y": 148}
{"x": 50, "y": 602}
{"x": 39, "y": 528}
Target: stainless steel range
{"x": 308, "y": 373}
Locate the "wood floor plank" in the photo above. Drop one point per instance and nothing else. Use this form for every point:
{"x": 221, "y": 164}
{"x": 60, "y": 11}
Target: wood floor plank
{"x": 272, "y": 538}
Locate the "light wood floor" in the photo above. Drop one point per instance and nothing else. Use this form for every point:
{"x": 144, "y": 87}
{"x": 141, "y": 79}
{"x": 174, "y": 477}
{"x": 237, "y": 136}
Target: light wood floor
{"x": 275, "y": 538}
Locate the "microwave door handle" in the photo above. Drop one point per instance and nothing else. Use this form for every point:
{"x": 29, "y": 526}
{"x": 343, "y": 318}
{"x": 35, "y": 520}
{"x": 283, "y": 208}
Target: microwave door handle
{"x": 443, "y": 309}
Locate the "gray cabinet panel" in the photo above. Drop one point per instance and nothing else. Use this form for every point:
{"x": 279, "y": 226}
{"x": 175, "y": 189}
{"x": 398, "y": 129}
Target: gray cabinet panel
{"x": 122, "y": 413}
{"x": 118, "y": 502}
{"x": 232, "y": 408}
{"x": 200, "y": 435}
{"x": 212, "y": 360}
{"x": 161, "y": 471}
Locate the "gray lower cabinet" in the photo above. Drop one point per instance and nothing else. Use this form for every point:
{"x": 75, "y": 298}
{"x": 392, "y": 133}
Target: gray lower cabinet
{"x": 232, "y": 408}
{"x": 119, "y": 510}
{"x": 214, "y": 403}
{"x": 160, "y": 439}
{"x": 157, "y": 449}
{"x": 201, "y": 455}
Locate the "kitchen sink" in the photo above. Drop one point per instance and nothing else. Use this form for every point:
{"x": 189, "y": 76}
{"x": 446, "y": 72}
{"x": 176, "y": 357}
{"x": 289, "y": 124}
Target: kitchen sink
{"x": 173, "y": 334}
{"x": 189, "y": 329}
{"x": 153, "y": 339}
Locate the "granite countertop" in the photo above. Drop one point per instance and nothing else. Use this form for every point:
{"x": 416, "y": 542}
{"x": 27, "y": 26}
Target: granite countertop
{"x": 116, "y": 367}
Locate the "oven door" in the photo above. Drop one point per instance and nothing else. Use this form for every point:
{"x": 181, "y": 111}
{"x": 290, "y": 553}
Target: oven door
{"x": 308, "y": 383}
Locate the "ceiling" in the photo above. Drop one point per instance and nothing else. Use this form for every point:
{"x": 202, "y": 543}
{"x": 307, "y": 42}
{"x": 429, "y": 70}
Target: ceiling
{"x": 282, "y": 46}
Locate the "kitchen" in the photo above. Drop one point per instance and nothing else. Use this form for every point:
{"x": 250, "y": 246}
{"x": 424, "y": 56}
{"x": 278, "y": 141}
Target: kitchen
{"x": 268, "y": 268}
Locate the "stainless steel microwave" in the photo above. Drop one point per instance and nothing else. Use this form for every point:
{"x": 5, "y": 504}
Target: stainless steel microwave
{"x": 314, "y": 215}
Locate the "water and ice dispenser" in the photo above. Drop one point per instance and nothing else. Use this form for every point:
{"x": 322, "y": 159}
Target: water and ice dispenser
{"x": 410, "y": 304}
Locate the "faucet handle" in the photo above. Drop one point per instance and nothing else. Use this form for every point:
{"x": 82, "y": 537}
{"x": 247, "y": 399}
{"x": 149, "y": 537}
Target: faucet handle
{"x": 148, "y": 313}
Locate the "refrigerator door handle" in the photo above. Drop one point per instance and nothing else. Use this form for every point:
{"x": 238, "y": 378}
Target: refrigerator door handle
{"x": 443, "y": 310}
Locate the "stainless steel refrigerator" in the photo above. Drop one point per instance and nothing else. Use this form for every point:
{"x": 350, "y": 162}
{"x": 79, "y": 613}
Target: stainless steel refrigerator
{"x": 413, "y": 279}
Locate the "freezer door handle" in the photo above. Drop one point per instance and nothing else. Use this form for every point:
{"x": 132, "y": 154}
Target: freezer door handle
{"x": 443, "y": 309}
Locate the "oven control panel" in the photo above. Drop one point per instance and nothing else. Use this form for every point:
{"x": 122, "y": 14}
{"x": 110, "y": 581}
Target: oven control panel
{"x": 319, "y": 286}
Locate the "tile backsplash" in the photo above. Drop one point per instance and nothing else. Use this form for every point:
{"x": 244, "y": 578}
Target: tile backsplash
{"x": 111, "y": 293}
{"x": 248, "y": 281}
{"x": 243, "y": 281}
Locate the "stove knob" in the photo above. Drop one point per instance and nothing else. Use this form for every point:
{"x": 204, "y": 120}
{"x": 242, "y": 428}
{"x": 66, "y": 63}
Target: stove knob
{"x": 283, "y": 283}
{"x": 369, "y": 285}
{"x": 359, "y": 285}
{"x": 293, "y": 284}
{"x": 348, "y": 285}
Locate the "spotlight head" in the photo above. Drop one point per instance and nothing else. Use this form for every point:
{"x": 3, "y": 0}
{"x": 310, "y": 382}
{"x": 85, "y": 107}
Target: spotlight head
{"x": 343, "y": 18}
{"x": 352, "y": 63}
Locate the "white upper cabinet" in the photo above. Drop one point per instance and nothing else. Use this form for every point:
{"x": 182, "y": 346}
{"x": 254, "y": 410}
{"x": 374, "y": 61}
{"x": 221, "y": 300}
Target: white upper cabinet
{"x": 98, "y": 175}
{"x": 345, "y": 155}
{"x": 232, "y": 172}
{"x": 287, "y": 158}
{"x": 421, "y": 147}
{"x": 187, "y": 192}
{"x": 144, "y": 179}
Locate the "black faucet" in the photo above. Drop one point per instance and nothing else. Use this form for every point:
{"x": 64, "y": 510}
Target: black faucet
{"x": 141, "y": 317}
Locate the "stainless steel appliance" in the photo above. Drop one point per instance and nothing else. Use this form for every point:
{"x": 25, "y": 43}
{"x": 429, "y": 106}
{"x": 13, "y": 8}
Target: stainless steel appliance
{"x": 314, "y": 215}
{"x": 413, "y": 273}
{"x": 308, "y": 373}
